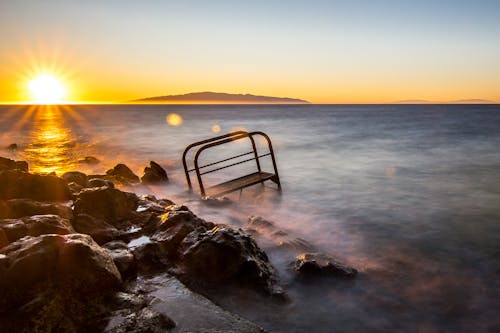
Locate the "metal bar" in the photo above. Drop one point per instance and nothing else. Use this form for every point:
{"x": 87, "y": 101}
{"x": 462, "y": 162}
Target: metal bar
{"x": 224, "y": 160}
{"x": 227, "y": 166}
{"x": 271, "y": 151}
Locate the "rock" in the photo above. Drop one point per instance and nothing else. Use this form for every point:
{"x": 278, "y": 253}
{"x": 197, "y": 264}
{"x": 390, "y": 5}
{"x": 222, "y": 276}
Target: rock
{"x": 76, "y": 177}
{"x": 123, "y": 258}
{"x": 55, "y": 283}
{"x": 317, "y": 264}
{"x": 16, "y": 208}
{"x": 89, "y": 160}
{"x": 223, "y": 256}
{"x": 8, "y": 164}
{"x": 154, "y": 174}
{"x": 142, "y": 321}
{"x": 12, "y": 146}
{"x": 99, "y": 182}
{"x": 100, "y": 231}
{"x": 4, "y": 241}
{"x": 36, "y": 225}
{"x": 19, "y": 184}
{"x": 109, "y": 204}
{"x": 123, "y": 174}
{"x": 75, "y": 188}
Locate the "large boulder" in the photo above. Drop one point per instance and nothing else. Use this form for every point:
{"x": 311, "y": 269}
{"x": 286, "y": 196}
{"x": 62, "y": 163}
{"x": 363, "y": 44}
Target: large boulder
{"x": 106, "y": 203}
{"x": 101, "y": 231}
{"x": 99, "y": 182}
{"x": 20, "y": 184}
{"x": 36, "y": 225}
{"x": 223, "y": 256}
{"x": 154, "y": 174}
{"x": 8, "y": 164}
{"x": 123, "y": 258}
{"x": 16, "y": 208}
{"x": 123, "y": 174}
{"x": 54, "y": 283}
{"x": 75, "y": 177}
{"x": 317, "y": 264}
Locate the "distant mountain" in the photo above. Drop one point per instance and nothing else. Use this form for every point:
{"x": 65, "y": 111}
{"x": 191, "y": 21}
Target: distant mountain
{"x": 223, "y": 98}
{"x": 473, "y": 101}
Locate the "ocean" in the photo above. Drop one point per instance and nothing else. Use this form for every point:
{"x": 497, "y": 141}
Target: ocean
{"x": 407, "y": 194}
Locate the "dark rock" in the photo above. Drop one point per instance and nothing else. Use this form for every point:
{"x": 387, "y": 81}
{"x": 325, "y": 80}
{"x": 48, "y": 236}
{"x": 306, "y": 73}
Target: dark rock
{"x": 19, "y": 184}
{"x": 4, "y": 241}
{"x": 100, "y": 230}
{"x": 142, "y": 321}
{"x": 76, "y": 177}
{"x": 109, "y": 204}
{"x": 123, "y": 174}
{"x": 123, "y": 258}
{"x": 317, "y": 264}
{"x": 223, "y": 256}
{"x": 12, "y": 146}
{"x": 150, "y": 257}
{"x": 75, "y": 188}
{"x": 154, "y": 174}
{"x": 16, "y": 208}
{"x": 8, "y": 164}
{"x": 36, "y": 225}
{"x": 54, "y": 283}
{"x": 89, "y": 160}
{"x": 99, "y": 182}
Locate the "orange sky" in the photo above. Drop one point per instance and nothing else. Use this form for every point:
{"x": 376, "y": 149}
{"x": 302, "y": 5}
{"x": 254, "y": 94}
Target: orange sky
{"x": 327, "y": 53}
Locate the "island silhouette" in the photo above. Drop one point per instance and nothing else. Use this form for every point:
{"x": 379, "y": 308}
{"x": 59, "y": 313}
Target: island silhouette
{"x": 209, "y": 97}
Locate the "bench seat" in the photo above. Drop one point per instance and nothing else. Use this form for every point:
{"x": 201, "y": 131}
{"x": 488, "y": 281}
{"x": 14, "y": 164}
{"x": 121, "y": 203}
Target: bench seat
{"x": 239, "y": 183}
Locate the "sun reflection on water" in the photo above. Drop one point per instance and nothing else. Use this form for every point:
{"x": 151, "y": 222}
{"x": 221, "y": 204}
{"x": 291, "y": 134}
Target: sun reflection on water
{"x": 51, "y": 142}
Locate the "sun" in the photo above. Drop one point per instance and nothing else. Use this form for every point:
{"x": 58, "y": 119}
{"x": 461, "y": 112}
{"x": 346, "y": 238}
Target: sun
{"x": 46, "y": 89}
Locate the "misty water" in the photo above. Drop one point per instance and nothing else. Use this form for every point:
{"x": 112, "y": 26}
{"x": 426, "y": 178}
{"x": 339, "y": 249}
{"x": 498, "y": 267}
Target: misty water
{"x": 409, "y": 195}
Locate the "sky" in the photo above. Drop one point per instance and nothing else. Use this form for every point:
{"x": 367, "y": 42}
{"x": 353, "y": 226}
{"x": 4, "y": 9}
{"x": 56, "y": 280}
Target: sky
{"x": 322, "y": 51}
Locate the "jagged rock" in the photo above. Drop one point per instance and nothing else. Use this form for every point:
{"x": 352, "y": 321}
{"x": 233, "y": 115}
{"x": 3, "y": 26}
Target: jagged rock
{"x": 123, "y": 258}
{"x": 36, "y": 225}
{"x": 109, "y": 204}
{"x": 99, "y": 182}
{"x": 75, "y": 188}
{"x": 19, "y": 184}
{"x": 54, "y": 283}
{"x": 223, "y": 256}
{"x": 89, "y": 160}
{"x": 12, "y": 146}
{"x": 141, "y": 321}
{"x": 8, "y": 164}
{"x": 76, "y": 177}
{"x": 16, "y": 208}
{"x": 123, "y": 174}
{"x": 4, "y": 241}
{"x": 154, "y": 174}
{"x": 101, "y": 231}
{"x": 317, "y": 264}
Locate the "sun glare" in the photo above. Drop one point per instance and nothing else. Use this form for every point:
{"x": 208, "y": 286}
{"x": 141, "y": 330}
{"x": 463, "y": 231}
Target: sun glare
{"x": 46, "y": 89}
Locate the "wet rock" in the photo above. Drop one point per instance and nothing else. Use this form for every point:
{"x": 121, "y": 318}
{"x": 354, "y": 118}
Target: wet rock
{"x": 223, "y": 256}
{"x": 154, "y": 174}
{"x": 54, "y": 283}
{"x": 123, "y": 174}
{"x": 216, "y": 201}
{"x": 99, "y": 182}
{"x": 8, "y": 164}
{"x": 16, "y": 208}
{"x": 317, "y": 264}
{"x": 123, "y": 258}
{"x": 105, "y": 203}
{"x": 150, "y": 257}
{"x": 75, "y": 188}
{"x": 4, "y": 241}
{"x": 101, "y": 231}
{"x": 88, "y": 160}
{"x": 76, "y": 177}
{"x": 36, "y": 225}
{"x": 12, "y": 146}
{"x": 19, "y": 184}
{"x": 142, "y": 321}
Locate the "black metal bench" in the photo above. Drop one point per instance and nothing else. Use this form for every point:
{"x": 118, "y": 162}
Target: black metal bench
{"x": 239, "y": 183}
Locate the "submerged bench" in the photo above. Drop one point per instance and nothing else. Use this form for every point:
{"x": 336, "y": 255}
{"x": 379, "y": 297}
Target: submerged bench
{"x": 256, "y": 177}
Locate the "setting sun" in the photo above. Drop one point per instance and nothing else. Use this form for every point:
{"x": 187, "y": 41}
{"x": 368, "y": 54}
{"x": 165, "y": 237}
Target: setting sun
{"x": 46, "y": 89}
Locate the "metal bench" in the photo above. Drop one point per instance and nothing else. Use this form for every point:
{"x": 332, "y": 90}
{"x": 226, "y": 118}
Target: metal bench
{"x": 239, "y": 183}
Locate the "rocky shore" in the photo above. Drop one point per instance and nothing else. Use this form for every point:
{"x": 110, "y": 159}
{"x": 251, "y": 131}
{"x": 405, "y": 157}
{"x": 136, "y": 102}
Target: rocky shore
{"x": 77, "y": 254}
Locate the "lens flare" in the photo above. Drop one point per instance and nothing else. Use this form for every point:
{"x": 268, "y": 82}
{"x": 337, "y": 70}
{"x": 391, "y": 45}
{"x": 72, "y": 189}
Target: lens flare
{"x": 173, "y": 119}
{"x": 216, "y": 128}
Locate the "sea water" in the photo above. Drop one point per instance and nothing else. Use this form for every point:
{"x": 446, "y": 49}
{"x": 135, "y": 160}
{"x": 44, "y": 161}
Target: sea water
{"x": 408, "y": 194}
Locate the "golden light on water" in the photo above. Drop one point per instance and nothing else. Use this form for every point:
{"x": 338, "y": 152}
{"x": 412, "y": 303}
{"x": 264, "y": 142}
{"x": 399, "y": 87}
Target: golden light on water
{"x": 216, "y": 128}
{"x": 173, "y": 119}
{"x": 46, "y": 89}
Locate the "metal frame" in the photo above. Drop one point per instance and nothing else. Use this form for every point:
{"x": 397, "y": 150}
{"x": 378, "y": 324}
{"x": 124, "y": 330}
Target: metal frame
{"x": 226, "y": 138}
